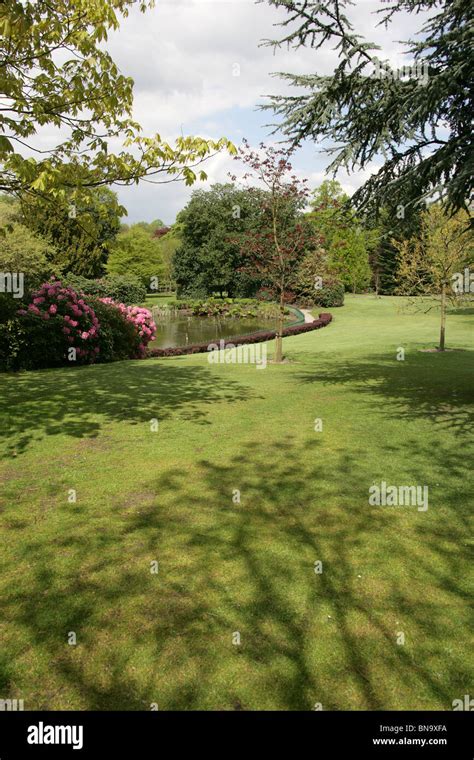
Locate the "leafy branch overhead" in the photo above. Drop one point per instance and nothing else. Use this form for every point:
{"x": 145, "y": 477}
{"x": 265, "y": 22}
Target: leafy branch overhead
{"x": 417, "y": 122}
{"x": 55, "y": 72}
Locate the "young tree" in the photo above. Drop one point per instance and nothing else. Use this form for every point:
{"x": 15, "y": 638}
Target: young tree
{"x": 416, "y": 120}
{"x": 432, "y": 265}
{"x": 55, "y": 71}
{"x": 273, "y": 252}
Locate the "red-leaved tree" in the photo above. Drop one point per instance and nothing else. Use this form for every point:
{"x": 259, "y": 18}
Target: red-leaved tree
{"x": 273, "y": 252}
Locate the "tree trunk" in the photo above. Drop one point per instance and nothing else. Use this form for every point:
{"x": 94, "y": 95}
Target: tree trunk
{"x": 442, "y": 332}
{"x": 279, "y": 334}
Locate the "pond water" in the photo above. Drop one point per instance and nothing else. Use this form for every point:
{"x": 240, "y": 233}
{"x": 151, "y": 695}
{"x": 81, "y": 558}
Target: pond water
{"x": 180, "y": 330}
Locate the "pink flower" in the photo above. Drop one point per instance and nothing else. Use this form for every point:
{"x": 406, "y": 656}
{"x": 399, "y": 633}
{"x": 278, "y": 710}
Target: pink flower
{"x": 53, "y": 309}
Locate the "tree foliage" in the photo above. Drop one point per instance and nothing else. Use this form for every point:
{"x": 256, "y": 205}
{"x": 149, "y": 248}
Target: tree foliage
{"x": 344, "y": 239}
{"x": 136, "y": 252}
{"x": 81, "y": 235}
{"x": 273, "y": 252}
{"x": 417, "y": 122}
{"x": 209, "y": 258}
{"x": 433, "y": 264}
{"x": 21, "y": 249}
{"x": 55, "y": 71}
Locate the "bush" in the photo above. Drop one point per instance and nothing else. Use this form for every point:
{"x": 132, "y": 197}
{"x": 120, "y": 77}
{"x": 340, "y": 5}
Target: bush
{"x": 125, "y": 289}
{"x": 330, "y": 295}
{"x": 141, "y": 321}
{"x": 118, "y": 338}
{"x": 74, "y": 323}
{"x": 41, "y": 331}
{"x": 13, "y": 337}
{"x": 27, "y": 340}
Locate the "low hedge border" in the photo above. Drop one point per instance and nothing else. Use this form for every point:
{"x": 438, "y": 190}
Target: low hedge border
{"x": 258, "y": 337}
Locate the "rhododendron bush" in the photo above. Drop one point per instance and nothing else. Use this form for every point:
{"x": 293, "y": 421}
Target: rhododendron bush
{"x": 76, "y": 319}
{"x": 141, "y": 319}
{"x": 80, "y": 329}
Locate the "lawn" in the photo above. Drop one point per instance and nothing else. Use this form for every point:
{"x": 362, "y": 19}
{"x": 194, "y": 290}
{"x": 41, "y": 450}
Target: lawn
{"x": 225, "y": 567}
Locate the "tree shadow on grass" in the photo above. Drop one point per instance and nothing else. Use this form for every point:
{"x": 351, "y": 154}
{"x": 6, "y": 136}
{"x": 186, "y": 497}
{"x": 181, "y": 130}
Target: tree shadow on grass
{"x": 248, "y": 567}
{"x": 432, "y": 386}
{"x": 78, "y": 402}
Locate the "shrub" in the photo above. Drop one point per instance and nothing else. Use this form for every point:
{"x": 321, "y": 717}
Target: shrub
{"x": 330, "y": 295}
{"x": 70, "y": 316}
{"x": 40, "y": 331}
{"x": 118, "y": 337}
{"x": 142, "y": 321}
{"x": 13, "y": 335}
{"x": 126, "y": 289}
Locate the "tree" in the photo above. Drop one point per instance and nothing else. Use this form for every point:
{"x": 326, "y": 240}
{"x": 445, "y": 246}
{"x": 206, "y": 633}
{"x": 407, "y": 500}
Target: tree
{"x": 22, "y": 250}
{"x": 150, "y": 227}
{"x": 81, "y": 235}
{"x": 274, "y": 251}
{"x": 136, "y": 252}
{"x": 169, "y": 239}
{"x": 344, "y": 239}
{"x": 55, "y": 71}
{"x": 209, "y": 258}
{"x": 434, "y": 265}
{"x": 418, "y": 120}
{"x": 388, "y": 224}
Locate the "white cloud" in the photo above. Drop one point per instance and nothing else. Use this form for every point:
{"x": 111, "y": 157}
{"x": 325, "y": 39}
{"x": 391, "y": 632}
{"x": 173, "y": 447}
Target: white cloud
{"x": 183, "y": 56}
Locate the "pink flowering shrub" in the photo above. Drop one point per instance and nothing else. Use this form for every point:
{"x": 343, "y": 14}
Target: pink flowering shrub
{"x": 56, "y": 318}
{"x": 142, "y": 321}
{"x": 71, "y": 316}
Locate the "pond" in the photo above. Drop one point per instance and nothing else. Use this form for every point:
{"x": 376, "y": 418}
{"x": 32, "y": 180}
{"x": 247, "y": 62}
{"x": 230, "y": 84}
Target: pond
{"x": 177, "y": 329}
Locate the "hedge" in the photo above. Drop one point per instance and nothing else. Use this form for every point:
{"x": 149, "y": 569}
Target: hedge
{"x": 258, "y": 337}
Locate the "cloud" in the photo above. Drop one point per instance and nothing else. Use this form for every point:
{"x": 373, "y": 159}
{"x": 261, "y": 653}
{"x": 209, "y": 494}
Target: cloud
{"x": 199, "y": 68}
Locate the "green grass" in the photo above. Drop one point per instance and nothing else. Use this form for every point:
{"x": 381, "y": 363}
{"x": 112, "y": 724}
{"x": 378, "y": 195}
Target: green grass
{"x": 159, "y": 299}
{"x": 223, "y": 567}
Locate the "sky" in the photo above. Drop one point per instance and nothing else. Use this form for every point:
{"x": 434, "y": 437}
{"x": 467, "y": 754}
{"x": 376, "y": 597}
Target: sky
{"x": 199, "y": 68}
